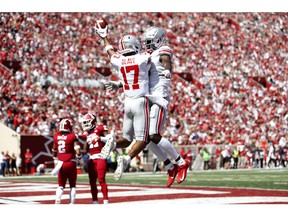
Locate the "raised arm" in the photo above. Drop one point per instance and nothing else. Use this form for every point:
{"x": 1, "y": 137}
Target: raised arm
{"x": 103, "y": 32}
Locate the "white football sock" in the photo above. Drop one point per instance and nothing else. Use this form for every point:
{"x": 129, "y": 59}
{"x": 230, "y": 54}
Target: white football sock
{"x": 161, "y": 155}
{"x": 59, "y": 192}
{"x": 127, "y": 161}
{"x": 72, "y": 195}
{"x": 168, "y": 148}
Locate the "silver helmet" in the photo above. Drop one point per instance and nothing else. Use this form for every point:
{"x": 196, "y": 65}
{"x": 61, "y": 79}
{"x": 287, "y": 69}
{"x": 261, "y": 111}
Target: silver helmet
{"x": 153, "y": 38}
{"x": 129, "y": 44}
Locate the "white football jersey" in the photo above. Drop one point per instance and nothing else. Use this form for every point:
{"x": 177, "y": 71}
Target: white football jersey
{"x": 160, "y": 87}
{"x": 134, "y": 73}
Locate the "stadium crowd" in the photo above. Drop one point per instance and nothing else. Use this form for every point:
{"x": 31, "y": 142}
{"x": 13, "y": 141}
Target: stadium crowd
{"x": 224, "y": 52}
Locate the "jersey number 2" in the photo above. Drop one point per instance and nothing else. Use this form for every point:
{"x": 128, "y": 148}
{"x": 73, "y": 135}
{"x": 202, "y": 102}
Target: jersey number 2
{"x": 61, "y": 146}
{"x": 127, "y": 69}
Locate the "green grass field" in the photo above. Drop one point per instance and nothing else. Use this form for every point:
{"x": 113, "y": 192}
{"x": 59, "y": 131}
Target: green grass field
{"x": 255, "y": 178}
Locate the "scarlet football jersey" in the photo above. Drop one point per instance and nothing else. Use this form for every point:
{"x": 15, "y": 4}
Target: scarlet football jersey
{"x": 93, "y": 139}
{"x": 65, "y": 146}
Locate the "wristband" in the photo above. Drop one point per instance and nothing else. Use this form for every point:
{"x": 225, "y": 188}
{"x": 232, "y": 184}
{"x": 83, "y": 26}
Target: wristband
{"x": 108, "y": 47}
{"x": 76, "y": 147}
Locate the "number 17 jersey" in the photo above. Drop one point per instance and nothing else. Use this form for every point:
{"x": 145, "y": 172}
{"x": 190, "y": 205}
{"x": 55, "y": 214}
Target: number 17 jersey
{"x": 134, "y": 73}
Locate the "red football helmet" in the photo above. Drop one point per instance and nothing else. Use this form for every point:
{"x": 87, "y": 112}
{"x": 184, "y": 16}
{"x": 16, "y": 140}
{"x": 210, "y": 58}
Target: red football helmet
{"x": 65, "y": 125}
{"x": 88, "y": 122}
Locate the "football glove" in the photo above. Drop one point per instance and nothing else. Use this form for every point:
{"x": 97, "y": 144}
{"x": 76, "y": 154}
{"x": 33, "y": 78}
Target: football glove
{"x": 159, "y": 101}
{"x": 112, "y": 85}
{"x": 55, "y": 160}
{"x": 102, "y": 32}
{"x": 162, "y": 102}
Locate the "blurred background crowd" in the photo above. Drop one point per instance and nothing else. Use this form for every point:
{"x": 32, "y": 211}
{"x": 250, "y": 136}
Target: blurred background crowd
{"x": 230, "y": 83}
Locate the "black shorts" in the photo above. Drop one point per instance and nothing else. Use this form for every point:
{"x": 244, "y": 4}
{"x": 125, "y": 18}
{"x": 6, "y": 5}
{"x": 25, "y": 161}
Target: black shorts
{"x": 226, "y": 159}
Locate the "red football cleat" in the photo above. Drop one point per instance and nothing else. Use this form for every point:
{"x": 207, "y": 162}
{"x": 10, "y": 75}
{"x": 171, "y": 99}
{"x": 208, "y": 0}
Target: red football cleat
{"x": 182, "y": 173}
{"x": 171, "y": 175}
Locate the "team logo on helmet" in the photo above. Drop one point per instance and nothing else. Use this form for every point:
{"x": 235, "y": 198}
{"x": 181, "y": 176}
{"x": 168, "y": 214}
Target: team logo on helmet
{"x": 65, "y": 125}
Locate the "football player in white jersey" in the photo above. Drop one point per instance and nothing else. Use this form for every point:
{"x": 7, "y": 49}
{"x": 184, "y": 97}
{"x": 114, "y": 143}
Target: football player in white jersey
{"x": 134, "y": 69}
{"x": 154, "y": 39}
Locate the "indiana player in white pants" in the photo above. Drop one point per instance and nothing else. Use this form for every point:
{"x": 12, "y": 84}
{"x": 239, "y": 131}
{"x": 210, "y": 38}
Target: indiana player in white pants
{"x": 134, "y": 69}
{"x": 154, "y": 38}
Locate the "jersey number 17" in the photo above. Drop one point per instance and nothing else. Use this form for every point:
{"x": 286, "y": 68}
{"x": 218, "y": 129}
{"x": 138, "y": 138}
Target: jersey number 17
{"x": 130, "y": 69}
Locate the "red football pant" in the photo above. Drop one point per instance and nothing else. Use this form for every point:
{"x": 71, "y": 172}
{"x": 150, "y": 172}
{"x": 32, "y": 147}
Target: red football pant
{"x": 97, "y": 169}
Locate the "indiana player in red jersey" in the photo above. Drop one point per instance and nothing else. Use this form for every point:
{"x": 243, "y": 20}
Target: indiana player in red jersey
{"x": 134, "y": 70}
{"x": 97, "y": 166}
{"x": 66, "y": 147}
{"x": 161, "y": 55}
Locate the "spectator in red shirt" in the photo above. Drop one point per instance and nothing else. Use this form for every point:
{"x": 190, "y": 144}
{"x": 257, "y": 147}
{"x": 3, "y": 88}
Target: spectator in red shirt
{"x": 28, "y": 161}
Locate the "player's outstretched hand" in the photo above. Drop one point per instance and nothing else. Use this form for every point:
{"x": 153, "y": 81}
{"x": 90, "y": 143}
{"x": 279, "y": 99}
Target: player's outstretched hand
{"x": 102, "y": 32}
{"x": 158, "y": 100}
{"x": 111, "y": 86}
{"x": 162, "y": 102}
